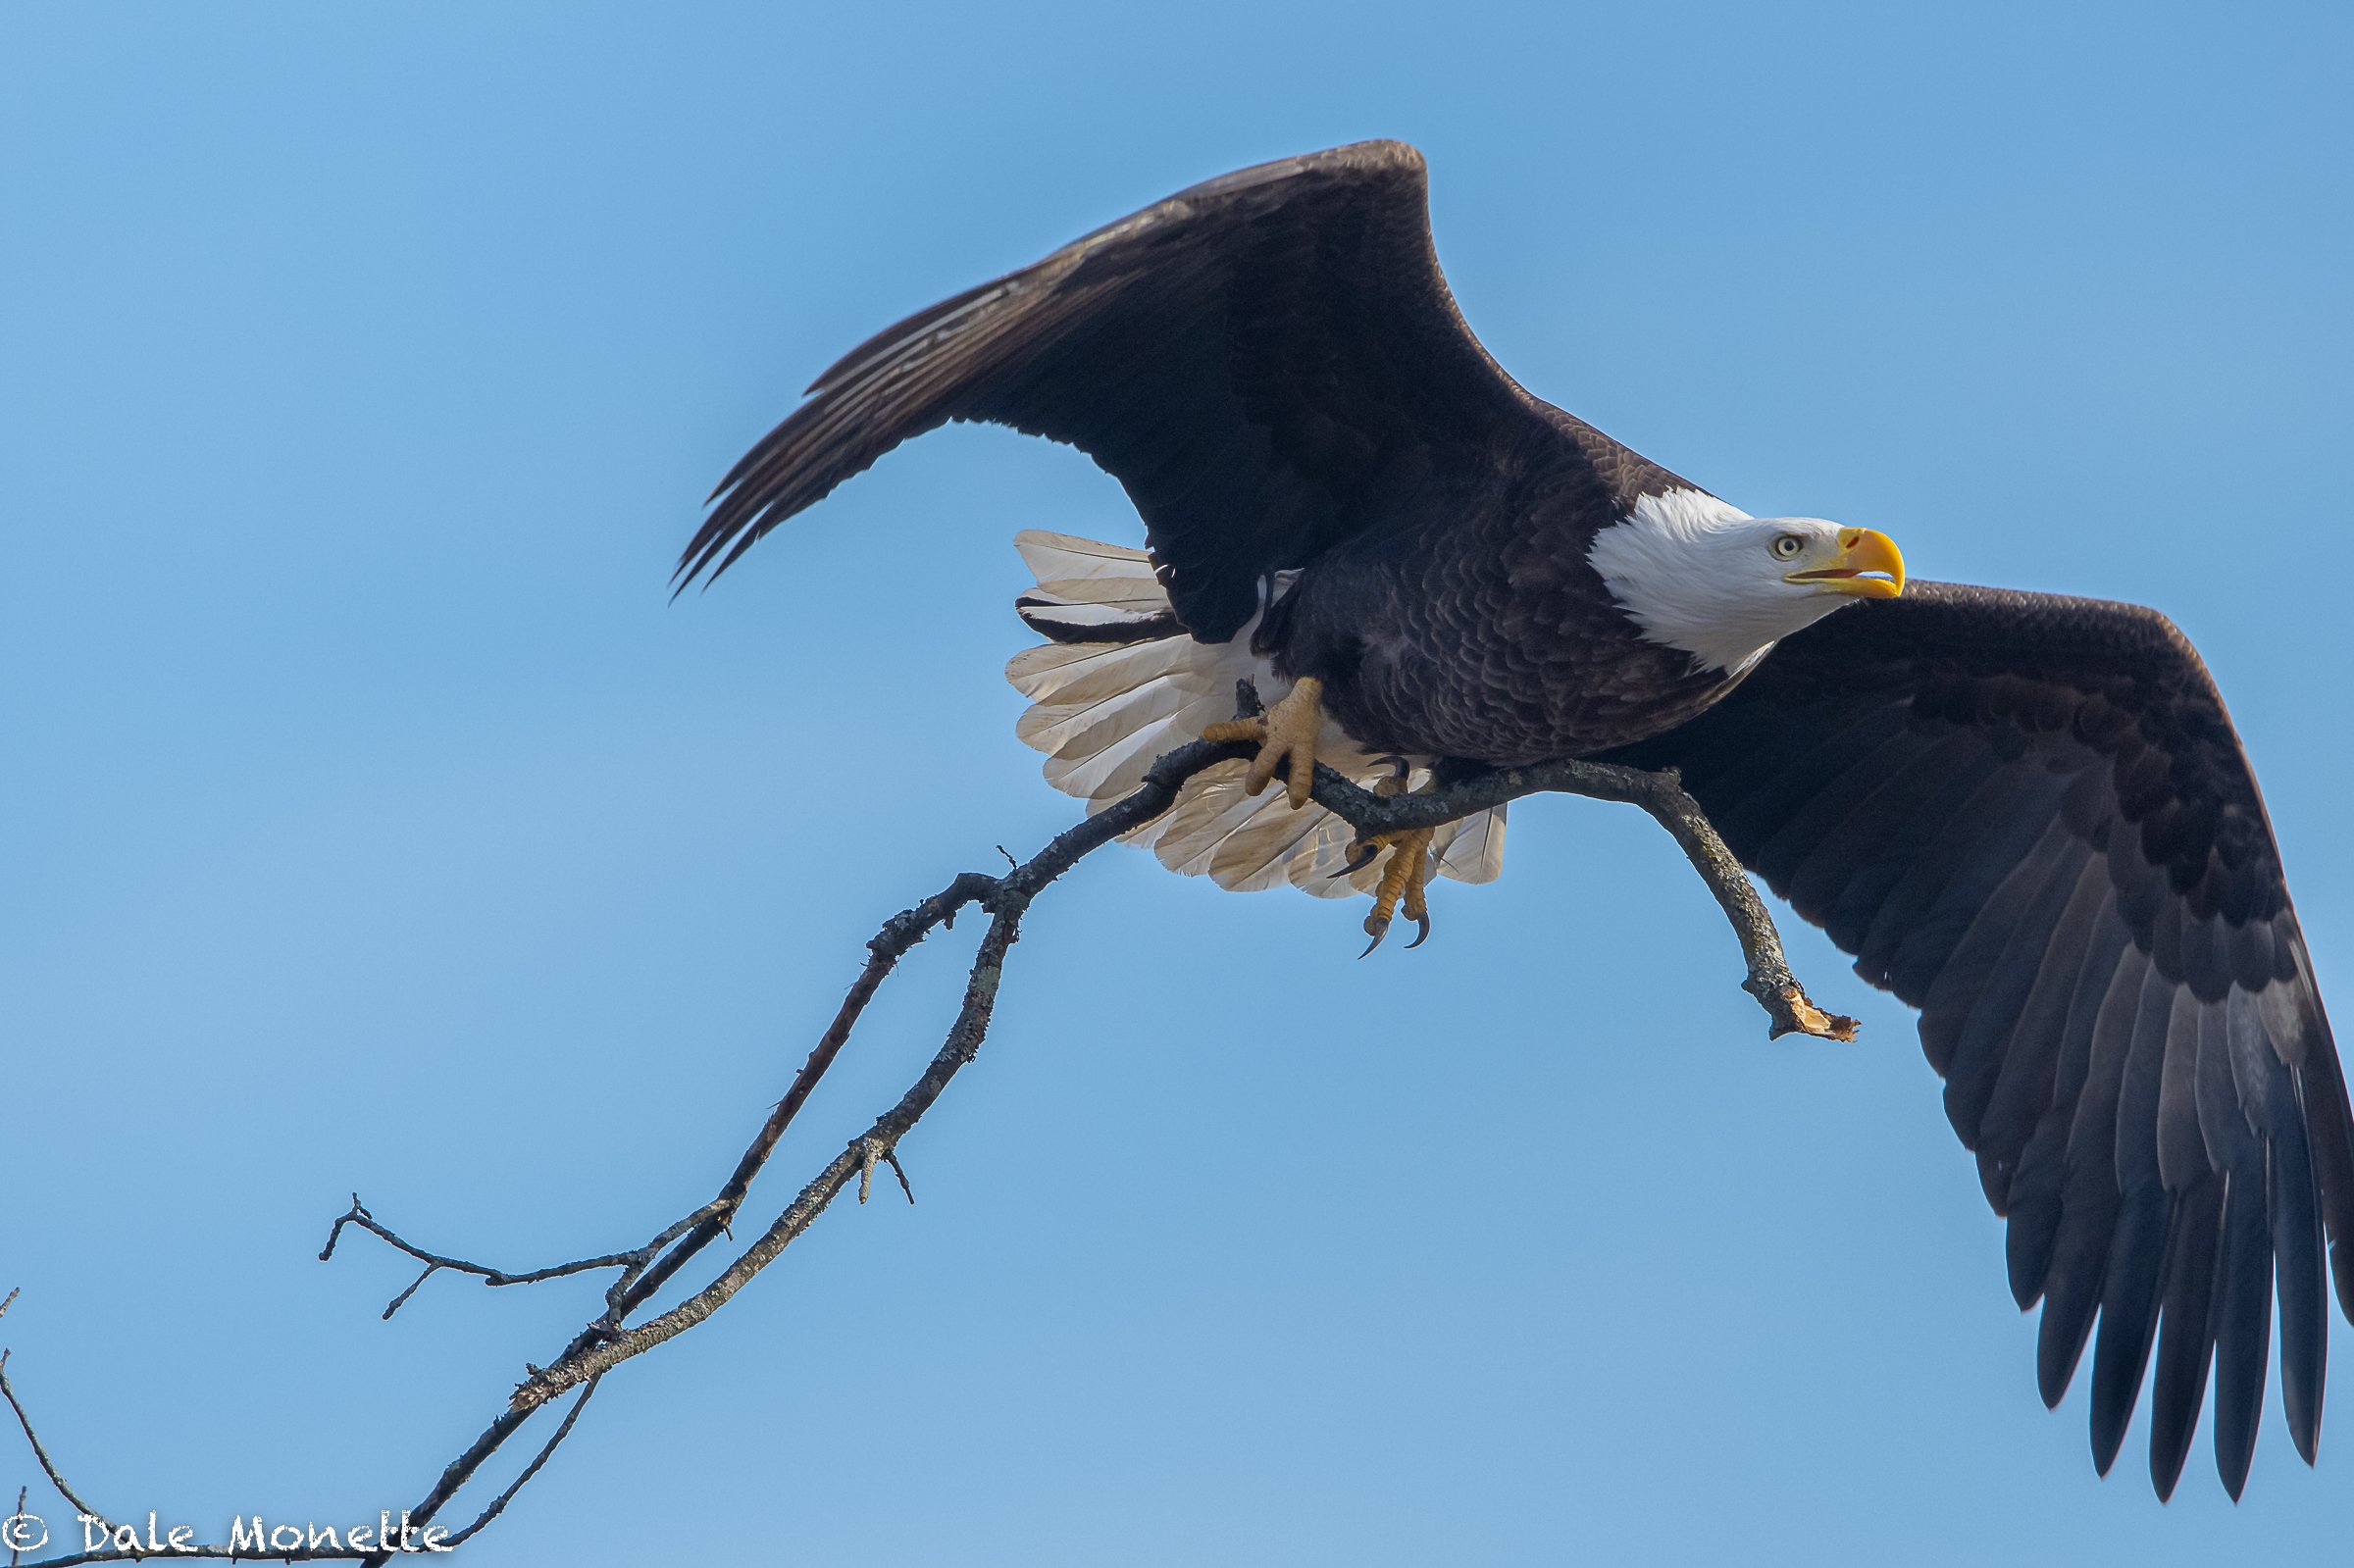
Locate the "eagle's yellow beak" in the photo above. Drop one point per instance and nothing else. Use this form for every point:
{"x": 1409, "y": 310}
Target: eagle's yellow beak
{"x": 1869, "y": 567}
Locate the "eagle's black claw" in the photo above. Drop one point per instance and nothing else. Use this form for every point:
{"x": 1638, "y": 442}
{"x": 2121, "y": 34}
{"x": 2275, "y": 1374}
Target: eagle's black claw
{"x": 1422, "y": 933}
{"x": 1360, "y": 855}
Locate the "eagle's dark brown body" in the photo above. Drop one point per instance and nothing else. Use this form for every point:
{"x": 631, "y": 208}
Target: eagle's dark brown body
{"x": 1467, "y": 623}
{"x": 2027, "y": 816}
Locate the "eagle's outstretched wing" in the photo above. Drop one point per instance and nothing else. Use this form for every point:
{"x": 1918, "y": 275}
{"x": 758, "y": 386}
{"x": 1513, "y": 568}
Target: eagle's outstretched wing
{"x": 1257, "y": 360}
{"x": 2029, "y": 817}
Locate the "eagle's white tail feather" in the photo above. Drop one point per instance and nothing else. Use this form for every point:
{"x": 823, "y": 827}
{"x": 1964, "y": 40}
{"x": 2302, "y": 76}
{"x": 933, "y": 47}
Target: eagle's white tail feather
{"x": 1072, "y": 735}
{"x": 1110, "y": 757}
{"x": 1104, "y": 710}
{"x": 1063, "y": 677}
{"x": 1068, "y": 558}
{"x": 1473, "y": 849}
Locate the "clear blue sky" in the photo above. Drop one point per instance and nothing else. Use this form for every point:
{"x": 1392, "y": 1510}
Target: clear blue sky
{"x": 372, "y": 820}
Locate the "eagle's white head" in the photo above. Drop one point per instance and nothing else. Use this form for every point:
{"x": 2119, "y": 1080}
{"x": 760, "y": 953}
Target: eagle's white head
{"x": 1725, "y": 587}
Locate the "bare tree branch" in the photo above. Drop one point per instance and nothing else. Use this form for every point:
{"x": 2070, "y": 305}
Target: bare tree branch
{"x": 608, "y": 1340}
{"x": 1007, "y": 899}
{"x": 1663, "y": 796}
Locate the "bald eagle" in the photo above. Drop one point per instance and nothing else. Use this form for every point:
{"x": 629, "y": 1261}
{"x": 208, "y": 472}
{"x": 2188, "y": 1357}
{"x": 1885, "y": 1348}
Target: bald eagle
{"x": 2027, "y": 816}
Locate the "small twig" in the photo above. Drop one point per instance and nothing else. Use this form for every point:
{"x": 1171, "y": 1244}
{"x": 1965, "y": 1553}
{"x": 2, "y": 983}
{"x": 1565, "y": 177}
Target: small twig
{"x": 41, "y": 1454}
{"x": 498, "y": 1504}
{"x": 358, "y": 1215}
{"x": 871, "y": 1154}
{"x": 891, "y": 1158}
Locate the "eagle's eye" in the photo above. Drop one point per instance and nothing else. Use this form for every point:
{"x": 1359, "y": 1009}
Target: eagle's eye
{"x": 1787, "y": 545}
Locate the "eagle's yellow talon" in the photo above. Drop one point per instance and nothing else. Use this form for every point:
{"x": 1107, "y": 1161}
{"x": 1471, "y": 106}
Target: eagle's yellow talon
{"x": 1417, "y": 908}
{"x": 1287, "y": 739}
{"x": 1402, "y": 881}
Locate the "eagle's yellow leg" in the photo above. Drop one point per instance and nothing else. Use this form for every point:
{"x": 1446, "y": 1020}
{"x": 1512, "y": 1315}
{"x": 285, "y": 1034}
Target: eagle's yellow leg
{"x": 1287, "y": 739}
{"x": 1286, "y": 732}
{"x": 1402, "y": 881}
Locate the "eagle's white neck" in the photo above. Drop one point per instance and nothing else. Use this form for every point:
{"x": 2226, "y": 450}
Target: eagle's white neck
{"x": 1691, "y": 570}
